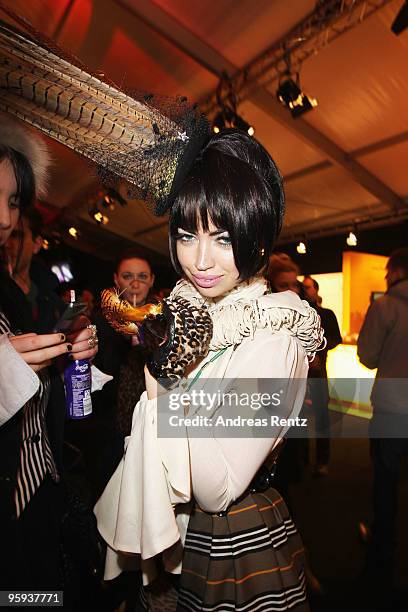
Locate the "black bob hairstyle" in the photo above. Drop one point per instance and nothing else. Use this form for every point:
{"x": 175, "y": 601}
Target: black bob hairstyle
{"x": 235, "y": 183}
{"x": 23, "y": 173}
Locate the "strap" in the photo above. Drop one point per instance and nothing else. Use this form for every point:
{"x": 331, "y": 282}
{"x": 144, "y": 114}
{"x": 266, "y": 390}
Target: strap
{"x": 213, "y": 358}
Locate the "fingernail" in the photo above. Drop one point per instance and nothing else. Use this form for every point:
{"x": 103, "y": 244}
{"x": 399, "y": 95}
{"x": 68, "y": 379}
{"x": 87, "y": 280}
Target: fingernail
{"x": 62, "y": 336}
{"x": 69, "y": 348}
{"x": 71, "y": 357}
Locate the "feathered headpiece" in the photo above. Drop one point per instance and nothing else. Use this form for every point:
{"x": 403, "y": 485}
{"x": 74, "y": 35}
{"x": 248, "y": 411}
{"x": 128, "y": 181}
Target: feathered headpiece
{"x": 149, "y": 141}
{"x": 14, "y": 136}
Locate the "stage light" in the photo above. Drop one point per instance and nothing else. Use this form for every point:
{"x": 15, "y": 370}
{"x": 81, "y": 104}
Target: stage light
{"x": 290, "y": 95}
{"x": 301, "y": 248}
{"x": 218, "y": 123}
{"x": 243, "y": 125}
{"x": 108, "y": 202}
{"x": 94, "y": 214}
{"x": 111, "y": 198}
{"x": 227, "y": 116}
{"x": 101, "y": 218}
{"x": 230, "y": 119}
{"x": 73, "y": 232}
{"x": 351, "y": 239}
{"x": 98, "y": 216}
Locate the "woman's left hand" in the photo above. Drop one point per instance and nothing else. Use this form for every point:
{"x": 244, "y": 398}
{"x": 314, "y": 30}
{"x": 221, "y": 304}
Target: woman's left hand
{"x": 83, "y": 339}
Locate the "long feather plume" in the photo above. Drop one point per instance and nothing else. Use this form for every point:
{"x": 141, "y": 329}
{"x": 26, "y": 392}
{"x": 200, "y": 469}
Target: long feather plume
{"x": 128, "y": 137}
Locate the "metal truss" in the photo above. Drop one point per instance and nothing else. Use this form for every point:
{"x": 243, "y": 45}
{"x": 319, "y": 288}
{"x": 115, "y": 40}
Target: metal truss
{"x": 329, "y": 20}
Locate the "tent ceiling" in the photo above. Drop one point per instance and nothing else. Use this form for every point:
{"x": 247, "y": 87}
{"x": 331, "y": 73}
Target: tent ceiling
{"x": 343, "y": 163}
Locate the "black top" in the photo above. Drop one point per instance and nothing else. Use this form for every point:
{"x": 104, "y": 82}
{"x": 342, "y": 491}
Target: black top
{"x": 333, "y": 337}
{"x": 16, "y": 308}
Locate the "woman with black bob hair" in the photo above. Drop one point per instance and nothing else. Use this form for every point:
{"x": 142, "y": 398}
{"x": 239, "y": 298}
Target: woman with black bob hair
{"x": 241, "y": 550}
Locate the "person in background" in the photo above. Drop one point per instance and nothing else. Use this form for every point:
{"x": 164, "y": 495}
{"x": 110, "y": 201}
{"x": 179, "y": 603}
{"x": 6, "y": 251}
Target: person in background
{"x": 100, "y": 438}
{"x": 319, "y": 388}
{"x": 34, "y": 282}
{"x": 133, "y": 277}
{"x": 383, "y": 344}
{"x": 282, "y": 274}
{"x": 123, "y": 357}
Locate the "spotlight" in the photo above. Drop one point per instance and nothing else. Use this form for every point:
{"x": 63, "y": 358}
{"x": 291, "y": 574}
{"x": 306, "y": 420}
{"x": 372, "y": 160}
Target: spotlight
{"x": 93, "y": 212}
{"x": 227, "y": 116}
{"x": 218, "y": 123}
{"x": 113, "y": 197}
{"x": 228, "y": 119}
{"x": 108, "y": 202}
{"x": 290, "y": 95}
{"x": 351, "y": 239}
{"x": 73, "y": 232}
{"x": 243, "y": 125}
{"x": 301, "y": 248}
{"x": 99, "y": 217}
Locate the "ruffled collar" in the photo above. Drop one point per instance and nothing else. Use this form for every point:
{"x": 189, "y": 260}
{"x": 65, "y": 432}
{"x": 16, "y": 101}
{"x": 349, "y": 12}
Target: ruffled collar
{"x": 249, "y": 307}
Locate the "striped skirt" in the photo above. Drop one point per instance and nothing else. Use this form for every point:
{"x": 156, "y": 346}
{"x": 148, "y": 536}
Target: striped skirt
{"x": 250, "y": 559}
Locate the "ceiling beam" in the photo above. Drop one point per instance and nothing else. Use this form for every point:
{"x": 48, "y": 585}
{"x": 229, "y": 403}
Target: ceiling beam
{"x": 178, "y": 35}
{"x": 306, "y": 132}
{"x": 343, "y": 227}
{"x": 166, "y": 25}
{"x": 374, "y": 147}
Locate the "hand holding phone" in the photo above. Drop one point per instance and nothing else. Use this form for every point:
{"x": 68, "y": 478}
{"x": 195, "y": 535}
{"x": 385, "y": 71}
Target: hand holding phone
{"x": 66, "y": 320}
{"x": 38, "y": 350}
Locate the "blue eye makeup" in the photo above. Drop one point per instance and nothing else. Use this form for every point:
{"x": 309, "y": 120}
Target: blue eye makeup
{"x": 224, "y": 241}
{"x": 184, "y": 237}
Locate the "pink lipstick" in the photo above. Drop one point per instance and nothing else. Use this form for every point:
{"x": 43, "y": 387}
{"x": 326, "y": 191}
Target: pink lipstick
{"x": 206, "y": 281}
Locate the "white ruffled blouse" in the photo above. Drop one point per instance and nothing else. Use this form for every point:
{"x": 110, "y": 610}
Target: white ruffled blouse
{"x": 144, "y": 509}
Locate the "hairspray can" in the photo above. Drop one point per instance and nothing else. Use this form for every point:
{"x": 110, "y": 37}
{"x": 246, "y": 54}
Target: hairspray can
{"x": 78, "y": 383}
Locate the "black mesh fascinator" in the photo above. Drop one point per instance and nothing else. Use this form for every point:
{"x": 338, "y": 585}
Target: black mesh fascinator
{"x": 150, "y": 141}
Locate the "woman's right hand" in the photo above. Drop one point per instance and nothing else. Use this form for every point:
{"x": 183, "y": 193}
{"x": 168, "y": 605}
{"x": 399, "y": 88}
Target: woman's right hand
{"x": 38, "y": 350}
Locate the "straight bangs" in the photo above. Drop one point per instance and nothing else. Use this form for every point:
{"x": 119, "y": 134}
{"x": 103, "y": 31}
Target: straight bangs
{"x": 206, "y": 196}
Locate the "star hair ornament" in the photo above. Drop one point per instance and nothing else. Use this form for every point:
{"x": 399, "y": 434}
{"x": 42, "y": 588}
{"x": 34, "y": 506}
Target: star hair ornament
{"x": 149, "y": 141}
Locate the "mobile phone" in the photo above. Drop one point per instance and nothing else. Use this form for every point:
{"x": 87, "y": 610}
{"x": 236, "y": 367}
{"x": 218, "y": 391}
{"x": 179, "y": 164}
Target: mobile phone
{"x": 66, "y": 320}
